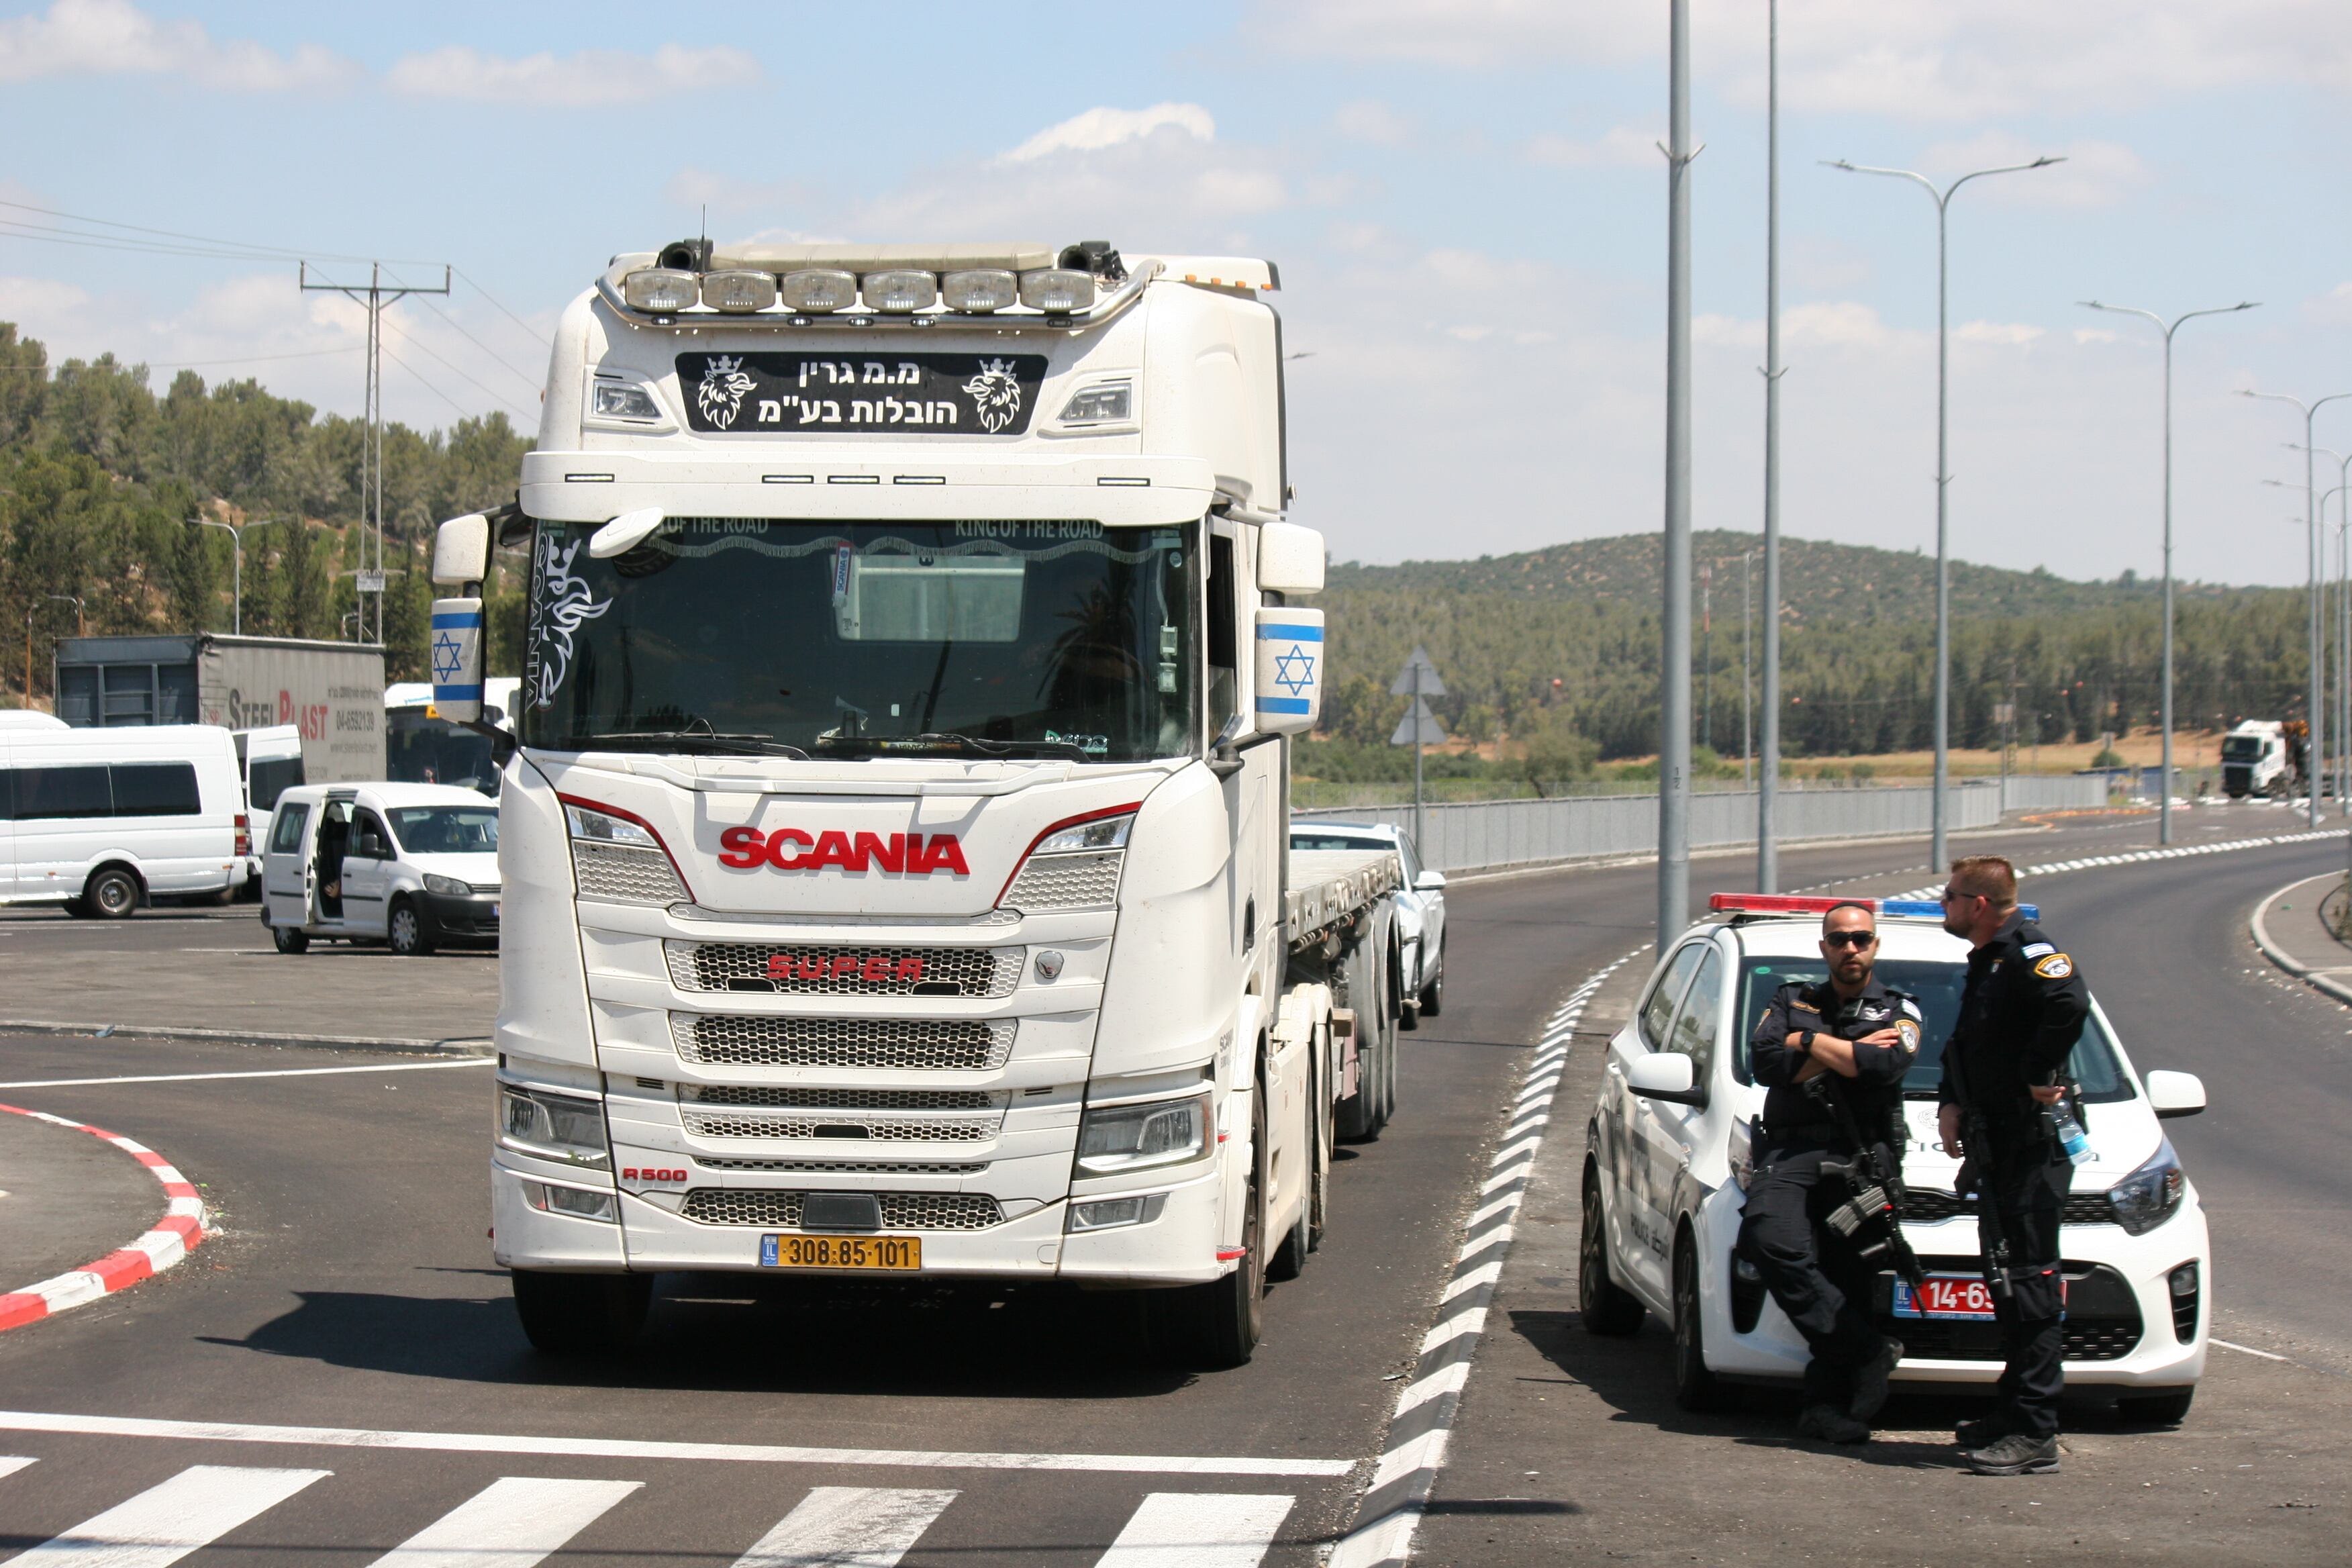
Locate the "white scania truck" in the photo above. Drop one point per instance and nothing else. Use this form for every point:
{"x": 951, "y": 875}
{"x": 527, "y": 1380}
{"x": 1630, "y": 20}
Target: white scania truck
{"x": 894, "y": 844}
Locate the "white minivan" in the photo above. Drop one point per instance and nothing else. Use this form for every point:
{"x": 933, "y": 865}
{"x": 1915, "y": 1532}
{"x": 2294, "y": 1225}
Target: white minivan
{"x": 100, "y": 821}
{"x": 408, "y": 865}
{"x": 272, "y": 761}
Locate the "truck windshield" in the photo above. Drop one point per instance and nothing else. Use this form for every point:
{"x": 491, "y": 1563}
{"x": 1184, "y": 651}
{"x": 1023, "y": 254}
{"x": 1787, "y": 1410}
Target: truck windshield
{"x": 2242, "y": 748}
{"x": 856, "y": 640}
{"x": 421, "y": 748}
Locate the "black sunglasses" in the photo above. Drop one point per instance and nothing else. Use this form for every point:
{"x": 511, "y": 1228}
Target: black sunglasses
{"x": 1952, "y": 893}
{"x": 1849, "y": 939}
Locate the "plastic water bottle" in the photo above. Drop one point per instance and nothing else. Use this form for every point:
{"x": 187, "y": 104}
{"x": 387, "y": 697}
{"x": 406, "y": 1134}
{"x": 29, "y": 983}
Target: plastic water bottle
{"x": 2071, "y": 1136}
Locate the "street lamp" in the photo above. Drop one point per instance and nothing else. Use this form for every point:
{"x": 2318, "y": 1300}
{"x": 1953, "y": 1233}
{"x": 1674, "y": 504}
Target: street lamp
{"x": 30, "y": 610}
{"x": 236, "y": 542}
{"x": 1943, "y": 200}
{"x": 2164, "y": 790}
{"x": 2311, "y": 521}
{"x": 2343, "y": 709}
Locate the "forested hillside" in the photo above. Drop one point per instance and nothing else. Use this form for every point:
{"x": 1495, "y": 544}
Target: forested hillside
{"x": 100, "y": 473}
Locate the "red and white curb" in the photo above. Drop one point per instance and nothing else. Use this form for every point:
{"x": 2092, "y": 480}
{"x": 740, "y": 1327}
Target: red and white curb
{"x": 175, "y": 1235}
{"x": 1424, "y": 1420}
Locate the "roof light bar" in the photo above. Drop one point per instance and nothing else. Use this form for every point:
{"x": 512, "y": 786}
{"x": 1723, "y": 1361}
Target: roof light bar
{"x": 1788, "y": 904}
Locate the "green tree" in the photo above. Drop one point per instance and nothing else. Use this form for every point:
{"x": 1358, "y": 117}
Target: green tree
{"x": 1555, "y": 752}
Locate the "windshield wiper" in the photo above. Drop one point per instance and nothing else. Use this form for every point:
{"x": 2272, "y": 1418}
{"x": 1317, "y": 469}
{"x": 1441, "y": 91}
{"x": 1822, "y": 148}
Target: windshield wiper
{"x": 945, "y": 740}
{"x": 692, "y": 741}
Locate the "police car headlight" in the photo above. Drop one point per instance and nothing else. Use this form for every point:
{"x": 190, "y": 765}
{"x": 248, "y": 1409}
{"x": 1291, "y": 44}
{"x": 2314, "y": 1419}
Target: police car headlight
{"x": 1134, "y": 1137}
{"x": 2151, "y": 1194}
{"x": 447, "y": 885}
{"x": 552, "y": 1126}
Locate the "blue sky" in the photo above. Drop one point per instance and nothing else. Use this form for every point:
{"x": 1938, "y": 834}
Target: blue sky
{"x": 1463, "y": 195}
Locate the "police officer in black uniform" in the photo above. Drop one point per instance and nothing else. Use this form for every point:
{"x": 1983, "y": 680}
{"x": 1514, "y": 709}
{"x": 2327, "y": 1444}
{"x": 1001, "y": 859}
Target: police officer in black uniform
{"x": 1832, "y": 1055}
{"x": 2020, "y": 1016}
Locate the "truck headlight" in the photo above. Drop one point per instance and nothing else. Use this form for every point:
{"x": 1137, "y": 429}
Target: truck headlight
{"x": 1115, "y": 1138}
{"x": 615, "y": 400}
{"x": 620, "y": 860}
{"x": 447, "y": 885}
{"x": 2151, "y": 1194}
{"x": 552, "y": 1126}
{"x": 1111, "y": 1213}
{"x": 579, "y": 1202}
{"x": 1072, "y": 867}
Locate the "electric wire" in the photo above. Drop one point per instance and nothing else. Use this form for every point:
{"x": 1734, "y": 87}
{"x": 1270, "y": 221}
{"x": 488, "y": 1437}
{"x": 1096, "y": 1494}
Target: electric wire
{"x": 451, "y": 322}
{"x": 251, "y": 248}
{"x": 421, "y": 345}
{"x": 537, "y": 335}
{"x": 463, "y": 412}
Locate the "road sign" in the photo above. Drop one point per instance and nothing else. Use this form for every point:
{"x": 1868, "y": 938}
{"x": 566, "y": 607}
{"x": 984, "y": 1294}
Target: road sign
{"x": 371, "y": 581}
{"x": 1418, "y": 727}
{"x": 1428, "y": 686}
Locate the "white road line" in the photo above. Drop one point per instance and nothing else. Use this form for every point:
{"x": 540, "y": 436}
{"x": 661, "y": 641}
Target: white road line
{"x": 165, "y": 1522}
{"x": 513, "y": 1522}
{"x": 647, "y": 1448}
{"x": 848, "y": 1527}
{"x": 267, "y": 1072}
{"x": 1198, "y": 1530}
{"x": 11, "y": 1463}
{"x": 2244, "y": 1349}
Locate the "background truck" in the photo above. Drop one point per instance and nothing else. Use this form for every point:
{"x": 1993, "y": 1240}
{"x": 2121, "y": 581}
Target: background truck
{"x": 897, "y": 880}
{"x": 331, "y": 692}
{"x": 421, "y": 747}
{"x": 2263, "y": 757}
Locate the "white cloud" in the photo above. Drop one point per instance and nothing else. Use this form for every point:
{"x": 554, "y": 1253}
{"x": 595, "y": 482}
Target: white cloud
{"x": 1369, "y": 120}
{"x": 1622, "y": 147}
{"x": 1912, "y": 60}
{"x": 109, "y": 37}
{"x": 582, "y": 81}
{"x": 1102, "y": 128}
{"x": 2006, "y": 334}
{"x": 2333, "y": 308}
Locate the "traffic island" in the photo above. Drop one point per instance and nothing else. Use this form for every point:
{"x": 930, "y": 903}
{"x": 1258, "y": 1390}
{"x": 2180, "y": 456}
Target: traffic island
{"x": 66, "y": 1192}
{"x": 2297, "y": 929}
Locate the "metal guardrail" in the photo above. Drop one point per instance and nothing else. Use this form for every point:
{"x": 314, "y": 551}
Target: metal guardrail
{"x": 1480, "y": 835}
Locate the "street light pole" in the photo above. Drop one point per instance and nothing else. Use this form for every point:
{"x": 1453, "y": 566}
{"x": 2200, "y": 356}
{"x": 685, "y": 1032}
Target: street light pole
{"x": 2164, "y": 774}
{"x": 1674, "y": 638}
{"x": 2311, "y": 522}
{"x": 2342, "y": 707}
{"x": 1768, "y": 782}
{"x": 1943, "y": 200}
{"x": 236, "y": 532}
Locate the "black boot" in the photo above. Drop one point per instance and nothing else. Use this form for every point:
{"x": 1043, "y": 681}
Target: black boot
{"x": 1831, "y": 1424}
{"x": 1870, "y": 1380}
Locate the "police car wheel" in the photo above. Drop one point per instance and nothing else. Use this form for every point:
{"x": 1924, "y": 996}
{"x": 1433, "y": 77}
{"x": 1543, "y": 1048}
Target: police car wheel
{"x": 1696, "y": 1388}
{"x": 2165, "y": 1407}
{"x": 1606, "y": 1307}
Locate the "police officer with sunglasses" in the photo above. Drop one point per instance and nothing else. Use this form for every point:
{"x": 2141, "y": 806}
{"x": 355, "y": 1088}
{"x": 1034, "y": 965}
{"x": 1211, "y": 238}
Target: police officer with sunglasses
{"x": 2003, "y": 1070}
{"x": 1832, "y": 1055}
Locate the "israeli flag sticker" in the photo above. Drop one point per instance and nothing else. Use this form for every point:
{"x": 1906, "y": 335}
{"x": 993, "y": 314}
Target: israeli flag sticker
{"x": 1289, "y": 669}
{"x": 454, "y": 646}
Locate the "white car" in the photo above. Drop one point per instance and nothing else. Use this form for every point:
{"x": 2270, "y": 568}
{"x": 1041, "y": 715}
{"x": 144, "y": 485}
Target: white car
{"x": 1420, "y": 906}
{"x": 1666, "y": 1159}
{"x": 408, "y": 865}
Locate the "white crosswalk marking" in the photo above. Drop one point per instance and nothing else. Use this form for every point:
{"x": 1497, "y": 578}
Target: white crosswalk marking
{"x": 165, "y": 1522}
{"x": 10, "y": 1464}
{"x": 1198, "y": 1530}
{"x": 513, "y": 1522}
{"x": 848, "y": 1527}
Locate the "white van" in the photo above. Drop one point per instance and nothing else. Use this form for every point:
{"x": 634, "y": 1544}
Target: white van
{"x": 271, "y": 760}
{"x": 101, "y": 821}
{"x": 408, "y": 865}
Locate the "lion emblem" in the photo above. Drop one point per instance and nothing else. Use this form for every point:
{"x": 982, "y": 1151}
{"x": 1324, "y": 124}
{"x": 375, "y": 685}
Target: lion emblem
{"x": 723, "y": 389}
{"x": 997, "y": 391}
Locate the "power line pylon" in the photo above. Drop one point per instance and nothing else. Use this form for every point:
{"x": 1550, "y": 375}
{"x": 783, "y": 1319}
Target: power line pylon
{"x": 374, "y": 297}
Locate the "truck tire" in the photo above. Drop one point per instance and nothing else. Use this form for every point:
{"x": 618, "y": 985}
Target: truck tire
{"x": 408, "y": 929}
{"x": 581, "y": 1314}
{"x": 111, "y": 893}
{"x": 1607, "y": 1308}
{"x": 289, "y": 939}
{"x": 1215, "y": 1326}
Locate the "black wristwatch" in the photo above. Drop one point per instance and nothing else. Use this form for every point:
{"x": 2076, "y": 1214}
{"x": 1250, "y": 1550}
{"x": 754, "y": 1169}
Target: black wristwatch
{"x": 1804, "y": 1042}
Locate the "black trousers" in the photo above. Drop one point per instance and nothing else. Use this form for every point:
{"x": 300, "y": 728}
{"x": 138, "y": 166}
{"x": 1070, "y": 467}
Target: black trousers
{"x": 2028, "y": 1194}
{"x": 1815, "y": 1274}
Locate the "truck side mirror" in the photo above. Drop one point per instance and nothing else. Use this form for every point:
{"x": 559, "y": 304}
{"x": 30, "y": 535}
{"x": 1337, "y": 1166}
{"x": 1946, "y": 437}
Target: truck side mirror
{"x": 1289, "y": 559}
{"x": 1289, "y": 669}
{"x": 456, "y": 648}
{"x": 461, "y": 551}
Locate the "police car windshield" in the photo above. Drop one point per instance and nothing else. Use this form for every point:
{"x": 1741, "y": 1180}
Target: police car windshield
{"x": 1937, "y": 987}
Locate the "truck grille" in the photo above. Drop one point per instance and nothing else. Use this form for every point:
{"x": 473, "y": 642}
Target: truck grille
{"x": 845, "y": 971}
{"x": 1066, "y": 882}
{"x": 845, "y": 1167}
{"x": 619, "y": 873}
{"x": 796, "y": 1123}
{"x": 922, "y": 1044}
{"x": 838, "y": 1098}
{"x": 900, "y": 1211}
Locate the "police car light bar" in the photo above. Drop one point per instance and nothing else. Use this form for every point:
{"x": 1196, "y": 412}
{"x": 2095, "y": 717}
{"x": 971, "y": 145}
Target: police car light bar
{"x": 1786, "y": 904}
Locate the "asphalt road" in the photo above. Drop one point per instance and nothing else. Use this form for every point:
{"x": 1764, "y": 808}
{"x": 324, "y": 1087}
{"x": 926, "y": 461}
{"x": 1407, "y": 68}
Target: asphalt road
{"x": 352, "y": 1290}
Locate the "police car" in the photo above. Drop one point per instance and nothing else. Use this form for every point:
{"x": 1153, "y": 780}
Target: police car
{"x": 1667, "y": 1164}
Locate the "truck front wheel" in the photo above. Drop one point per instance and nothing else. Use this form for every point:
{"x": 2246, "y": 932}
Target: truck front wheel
{"x": 581, "y": 1314}
{"x": 1215, "y": 1326}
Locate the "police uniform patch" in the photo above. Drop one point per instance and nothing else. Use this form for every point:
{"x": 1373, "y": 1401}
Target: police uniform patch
{"x": 2057, "y": 966}
{"x": 1912, "y": 1007}
{"x": 2040, "y": 949}
{"x": 1908, "y": 1033}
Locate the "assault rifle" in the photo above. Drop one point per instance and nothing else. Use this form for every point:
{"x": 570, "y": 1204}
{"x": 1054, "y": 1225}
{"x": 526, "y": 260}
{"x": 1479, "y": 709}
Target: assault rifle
{"x": 1875, "y": 1182}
